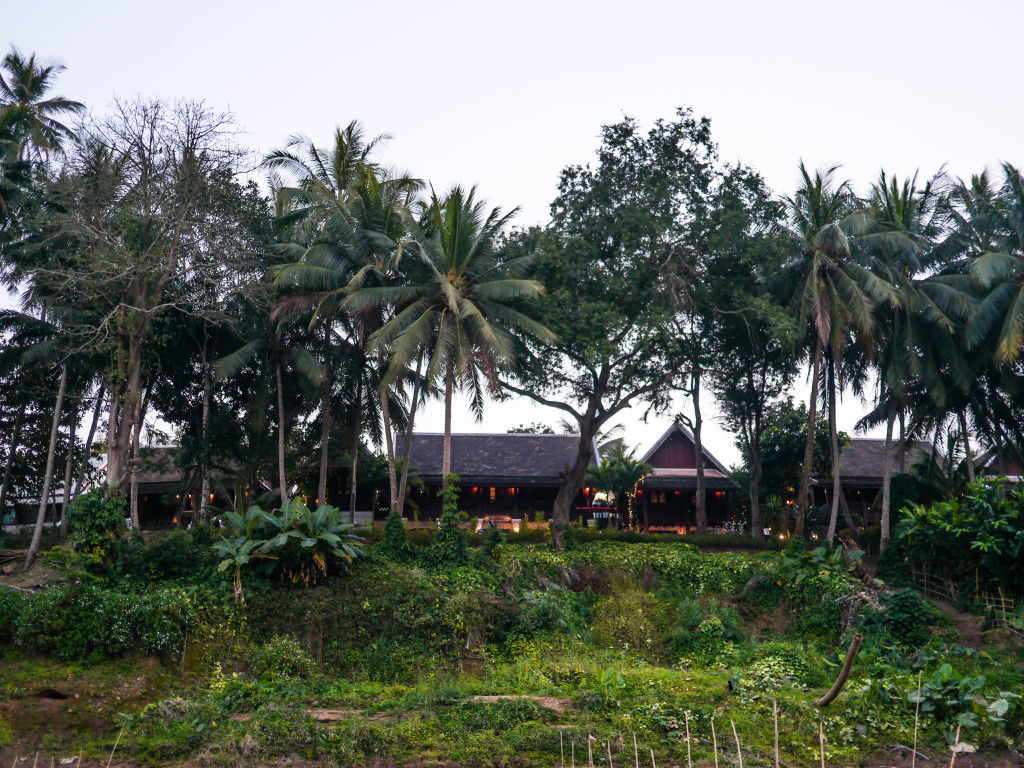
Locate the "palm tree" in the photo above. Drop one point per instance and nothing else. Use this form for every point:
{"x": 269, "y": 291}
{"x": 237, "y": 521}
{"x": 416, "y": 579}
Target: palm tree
{"x": 271, "y": 348}
{"x": 458, "y": 304}
{"x": 999, "y": 271}
{"x": 27, "y": 108}
{"x": 347, "y": 210}
{"x": 904, "y": 226}
{"x": 832, "y": 297}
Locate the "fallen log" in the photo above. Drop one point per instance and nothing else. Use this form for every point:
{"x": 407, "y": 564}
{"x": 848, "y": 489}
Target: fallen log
{"x": 844, "y": 673}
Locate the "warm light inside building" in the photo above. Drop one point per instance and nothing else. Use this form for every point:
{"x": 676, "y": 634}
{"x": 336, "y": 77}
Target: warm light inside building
{"x": 494, "y": 493}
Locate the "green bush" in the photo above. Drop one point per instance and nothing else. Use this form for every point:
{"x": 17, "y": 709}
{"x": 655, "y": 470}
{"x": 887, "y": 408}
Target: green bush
{"x": 630, "y": 619}
{"x": 449, "y": 544}
{"x": 11, "y": 606}
{"x": 295, "y": 542}
{"x": 904, "y": 618}
{"x": 282, "y": 658}
{"x": 975, "y": 538}
{"x": 96, "y": 524}
{"x": 83, "y": 622}
{"x": 395, "y": 544}
{"x": 179, "y": 556}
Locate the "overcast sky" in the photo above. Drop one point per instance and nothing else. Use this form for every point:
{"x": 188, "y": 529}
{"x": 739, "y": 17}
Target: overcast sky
{"x": 503, "y": 95}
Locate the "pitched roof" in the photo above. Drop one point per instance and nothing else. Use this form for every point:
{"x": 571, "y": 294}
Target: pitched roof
{"x": 863, "y": 459}
{"x": 676, "y": 426}
{"x": 518, "y": 459}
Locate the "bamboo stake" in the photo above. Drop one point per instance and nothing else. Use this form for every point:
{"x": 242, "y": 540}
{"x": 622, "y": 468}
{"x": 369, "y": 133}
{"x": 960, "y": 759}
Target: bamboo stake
{"x": 689, "y": 760}
{"x": 561, "y": 746}
{"x": 636, "y": 753}
{"x": 956, "y": 743}
{"x": 714, "y": 741}
{"x": 917, "y": 709}
{"x": 653, "y": 764}
{"x": 739, "y": 752}
{"x": 821, "y": 741}
{"x": 775, "y": 721}
{"x": 118, "y": 741}
{"x": 609, "y": 745}
{"x": 15, "y": 763}
{"x": 590, "y": 751}
{"x": 79, "y": 763}
{"x": 572, "y": 752}
{"x": 35, "y": 759}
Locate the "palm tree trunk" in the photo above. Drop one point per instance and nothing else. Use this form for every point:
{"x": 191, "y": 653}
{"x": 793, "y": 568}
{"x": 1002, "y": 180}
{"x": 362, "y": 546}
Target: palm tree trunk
{"x": 407, "y": 448}
{"x": 702, "y": 509}
{"x": 325, "y": 439}
{"x": 837, "y": 485}
{"x": 385, "y": 408}
{"x": 280, "y": 439}
{"x": 804, "y": 500}
{"x": 69, "y": 465}
{"x": 446, "y": 456}
{"x": 19, "y": 421}
{"x": 357, "y": 422}
{"x": 883, "y": 541}
{"x": 756, "y": 525}
{"x": 204, "y": 464}
{"x": 136, "y": 457}
{"x": 37, "y": 534}
{"x": 84, "y": 467}
{"x": 903, "y": 441}
{"x": 968, "y": 453}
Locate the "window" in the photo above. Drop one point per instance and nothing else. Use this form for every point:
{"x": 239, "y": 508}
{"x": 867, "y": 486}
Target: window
{"x": 494, "y": 494}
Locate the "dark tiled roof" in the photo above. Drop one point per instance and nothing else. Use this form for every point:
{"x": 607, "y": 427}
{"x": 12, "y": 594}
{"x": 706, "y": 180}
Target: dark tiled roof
{"x": 157, "y": 465}
{"x": 517, "y": 458}
{"x": 864, "y": 459}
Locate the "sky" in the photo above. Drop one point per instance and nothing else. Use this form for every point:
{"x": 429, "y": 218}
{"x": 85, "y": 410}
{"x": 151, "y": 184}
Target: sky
{"x": 503, "y": 95}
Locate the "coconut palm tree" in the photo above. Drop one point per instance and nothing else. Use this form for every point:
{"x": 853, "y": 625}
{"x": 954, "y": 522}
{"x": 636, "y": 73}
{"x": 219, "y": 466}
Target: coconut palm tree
{"x": 831, "y": 296}
{"x": 999, "y": 271}
{"x": 27, "y": 107}
{"x": 346, "y": 209}
{"x": 458, "y": 304}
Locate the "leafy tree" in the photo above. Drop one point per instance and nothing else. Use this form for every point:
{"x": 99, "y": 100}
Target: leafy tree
{"x": 751, "y": 347}
{"x": 785, "y": 428}
{"x": 614, "y": 226}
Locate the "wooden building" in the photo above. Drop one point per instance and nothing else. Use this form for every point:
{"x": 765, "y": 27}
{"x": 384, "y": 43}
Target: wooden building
{"x": 668, "y": 495}
{"x": 861, "y": 471}
{"x": 504, "y": 476}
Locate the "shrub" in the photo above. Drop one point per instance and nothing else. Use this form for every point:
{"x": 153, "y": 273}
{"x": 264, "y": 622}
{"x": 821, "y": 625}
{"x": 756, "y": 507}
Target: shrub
{"x": 181, "y": 555}
{"x": 83, "y": 622}
{"x": 905, "y": 618}
{"x": 11, "y": 605}
{"x": 449, "y": 545}
{"x": 96, "y": 523}
{"x": 282, "y": 658}
{"x": 977, "y": 537}
{"x": 395, "y": 545}
{"x": 631, "y": 620}
{"x": 294, "y": 541}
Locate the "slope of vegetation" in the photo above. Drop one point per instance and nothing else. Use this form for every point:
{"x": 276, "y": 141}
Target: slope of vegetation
{"x": 494, "y": 654}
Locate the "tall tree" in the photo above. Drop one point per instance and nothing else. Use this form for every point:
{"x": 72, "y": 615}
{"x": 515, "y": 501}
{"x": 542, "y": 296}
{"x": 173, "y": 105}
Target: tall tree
{"x": 752, "y": 344}
{"x": 831, "y": 297}
{"x": 614, "y": 226}
{"x": 28, "y": 108}
{"x": 460, "y": 305}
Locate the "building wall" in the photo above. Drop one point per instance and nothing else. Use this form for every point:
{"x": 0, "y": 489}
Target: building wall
{"x": 677, "y": 452}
